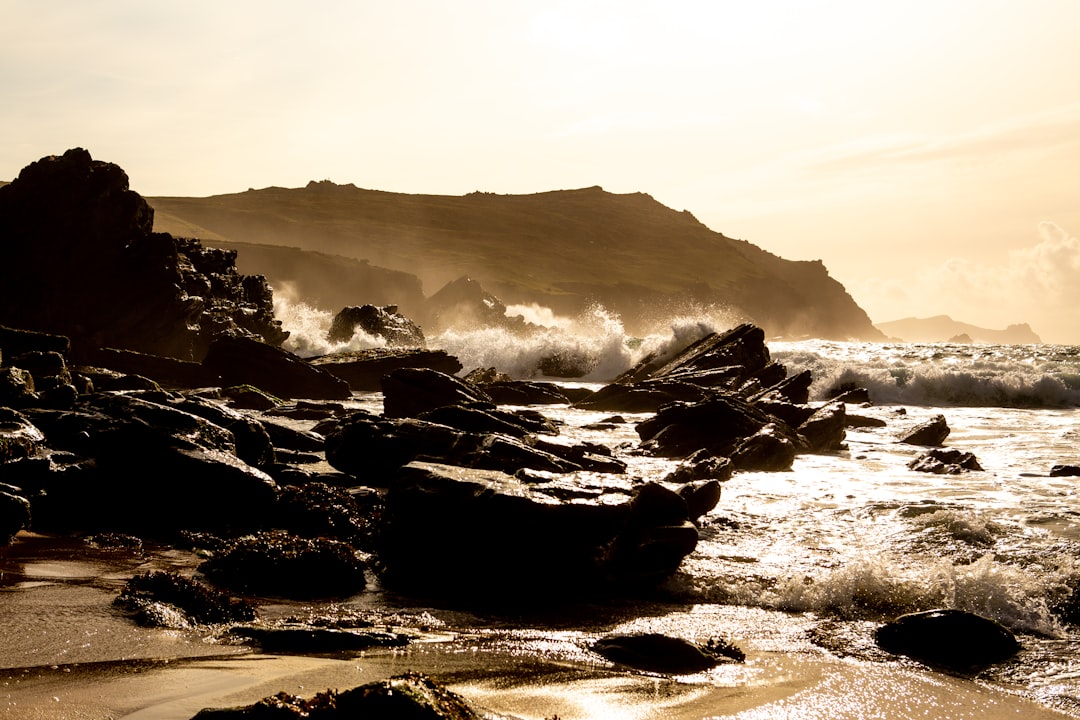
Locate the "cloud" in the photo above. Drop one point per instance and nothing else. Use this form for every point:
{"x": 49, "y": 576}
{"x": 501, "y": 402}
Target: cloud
{"x": 1039, "y": 285}
{"x": 1042, "y": 131}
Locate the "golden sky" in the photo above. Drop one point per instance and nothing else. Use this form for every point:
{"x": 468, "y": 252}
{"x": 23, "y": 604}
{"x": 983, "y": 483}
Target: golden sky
{"x": 926, "y": 151}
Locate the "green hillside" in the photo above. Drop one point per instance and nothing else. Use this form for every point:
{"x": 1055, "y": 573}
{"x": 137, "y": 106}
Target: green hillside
{"x": 562, "y": 248}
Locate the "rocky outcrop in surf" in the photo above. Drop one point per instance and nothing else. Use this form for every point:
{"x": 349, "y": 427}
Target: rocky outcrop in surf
{"x": 81, "y": 260}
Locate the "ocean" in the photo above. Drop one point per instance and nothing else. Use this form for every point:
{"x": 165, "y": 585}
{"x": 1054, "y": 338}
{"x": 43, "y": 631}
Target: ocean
{"x": 796, "y": 568}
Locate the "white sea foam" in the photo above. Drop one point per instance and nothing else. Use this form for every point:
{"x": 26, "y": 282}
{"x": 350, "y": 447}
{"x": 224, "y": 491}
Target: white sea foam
{"x": 942, "y": 374}
{"x": 308, "y": 328}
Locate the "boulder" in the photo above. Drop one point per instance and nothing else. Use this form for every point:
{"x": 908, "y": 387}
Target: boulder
{"x": 168, "y": 599}
{"x": 409, "y": 392}
{"x": 145, "y": 466}
{"x": 300, "y": 639}
{"x": 742, "y": 346}
{"x": 382, "y": 322}
{"x": 280, "y": 564}
{"x": 364, "y": 369}
{"x": 245, "y": 361}
{"x": 404, "y": 697}
{"x": 524, "y": 392}
{"x": 952, "y": 639}
{"x": 932, "y": 432}
{"x": 655, "y": 652}
{"x": 166, "y": 371}
{"x": 19, "y": 437}
{"x": 794, "y": 389}
{"x": 372, "y": 448}
{"x": 458, "y": 531}
{"x": 641, "y": 397}
{"x": 771, "y": 449}
{"x": 17, "y": 389}
{"x": 82, "y": 261}
{"x": 824, "y": 430}
{"x": 14, "y": 513}
{"x": 717, "y": 425}
{"x": 1065, "y": 471}
{"x": 942, "y": 461}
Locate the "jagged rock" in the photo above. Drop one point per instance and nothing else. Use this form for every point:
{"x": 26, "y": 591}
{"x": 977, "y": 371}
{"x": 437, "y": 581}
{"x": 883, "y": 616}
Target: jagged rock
{"x": 1065, "y": 471}
{"x": 384, "y": 322}
{"x": 144, "y": 466}
{"x": 655, "y": 652}
{"x": 404, "y": 697}
{"x": 952, "y": 639}
{"x": 190, "y": 602}
{"x": 245, "y": 361}
{"x": 940, "y": 461}
{"x": 932, "y": 432}
{"x": 163, "y": 370}
{"x": 770, "y": 449}
{"x": 409, "y": 392}
{"x": 700, "y": 466}
{"x": 463, "y": 303}
{"x": 14, "y": 341}
{"x": 14, "y": 513}
{"x": 284, "y": 565}
{"x": 523, "y": 392}
{"x": 849, "y": 393}
{"x": 701, "y": 496}
{"x": 794, "y": 389}
{"x": 717, "y": 425}
{"x": 372, "y": 448}
{"x": 824, "y": 430}
{"x": 17, "y": 390}
{"x": 643, "y": 396}
{"x": 299, "y": 639}
{"x": 19, "y": 437}
{"x": 742, "y": 346}
{"x": 82, "y": 260}
{"x": 517, "y": 537}
{"x": 364, "y": 369}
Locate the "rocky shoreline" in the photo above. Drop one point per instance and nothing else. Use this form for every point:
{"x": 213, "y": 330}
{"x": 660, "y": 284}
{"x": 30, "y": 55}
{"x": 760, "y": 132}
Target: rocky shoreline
{"x": 144, "y": 395}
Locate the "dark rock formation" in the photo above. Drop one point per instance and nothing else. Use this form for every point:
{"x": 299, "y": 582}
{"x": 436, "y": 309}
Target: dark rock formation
{"x": 19, "y": 437}
{"x": 523, "y": 539}
{"x": 14, "y": 513}
{"x": 941, "y": 461}
{"x": 404, "y": 697}
{"x": 168, "y": 599}
{"x": 825, "y": 428}
{"x": 932, "y": 432}
{"x": 299, "y": 639}
{"x": 464, "y": 303}
{"x": 383, "y": 322}
{"x": 245, "y": 361}
{"x": 654, "y": 652}
{"x": 952, "y": 639}
{"x": 363, "y": 370}
{"x": 1065, "y": 471}
{"x": 409, "y": 392}
{"x": 284, "y": 565}
{"x": 81, "y": 260}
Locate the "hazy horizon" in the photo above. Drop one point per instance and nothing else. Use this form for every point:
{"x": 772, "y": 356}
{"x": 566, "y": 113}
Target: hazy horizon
{"x": 925, "y": 152}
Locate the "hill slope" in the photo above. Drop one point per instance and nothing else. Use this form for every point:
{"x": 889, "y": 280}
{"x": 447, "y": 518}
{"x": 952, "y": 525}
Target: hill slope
{"x": 563, "y": 249}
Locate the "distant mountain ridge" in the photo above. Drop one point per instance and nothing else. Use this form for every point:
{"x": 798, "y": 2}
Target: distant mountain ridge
{"x": 942, "y": 328}
{"x": 563, "y": 249}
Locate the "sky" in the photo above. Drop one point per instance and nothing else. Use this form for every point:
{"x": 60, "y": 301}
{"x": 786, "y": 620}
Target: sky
{"x": 928, "y": 152}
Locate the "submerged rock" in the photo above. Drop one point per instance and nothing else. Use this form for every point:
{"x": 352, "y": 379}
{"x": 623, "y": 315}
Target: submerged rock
{"x": 296, "y": 638}
{"x": 953, "y": 639}
{"x": 168, "y": 599}
{"x": 404, "y": 697}
{"x": 942, "y": 461}
{"x": 654, "y": 652}
{"x": 932, "y": 432}
{"x": 283, "y": 565}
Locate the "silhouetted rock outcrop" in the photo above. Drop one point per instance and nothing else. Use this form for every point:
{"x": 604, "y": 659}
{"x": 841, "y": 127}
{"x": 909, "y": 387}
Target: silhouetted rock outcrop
{"x": 80, "y": 259}
{"x": 383, "y": 322}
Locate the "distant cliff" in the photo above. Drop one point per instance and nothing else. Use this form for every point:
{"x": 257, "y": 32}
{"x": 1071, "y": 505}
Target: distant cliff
{"x": 564, "y": 249}
{"x": 942, "y": 328}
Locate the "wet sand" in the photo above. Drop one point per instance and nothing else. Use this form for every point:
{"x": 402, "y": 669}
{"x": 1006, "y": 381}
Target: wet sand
{"x": 66, "y": 653}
